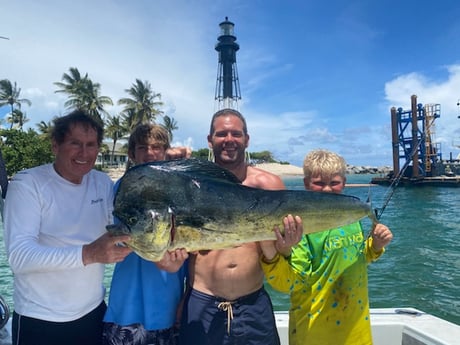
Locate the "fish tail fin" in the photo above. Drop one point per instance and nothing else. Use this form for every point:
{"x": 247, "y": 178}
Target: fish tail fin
{"x": 374, "y": 215}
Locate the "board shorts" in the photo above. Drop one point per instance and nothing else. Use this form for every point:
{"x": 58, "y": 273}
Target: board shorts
{"x": 210, "y": 320}
{"x": 136, "y": 334}
{"x": 85, "y": 330}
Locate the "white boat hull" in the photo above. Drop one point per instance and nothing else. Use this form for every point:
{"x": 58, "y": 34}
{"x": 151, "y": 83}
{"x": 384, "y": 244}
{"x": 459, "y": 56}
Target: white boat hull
{"x": 397, "y": 326}
{"x": 390, "y": 326}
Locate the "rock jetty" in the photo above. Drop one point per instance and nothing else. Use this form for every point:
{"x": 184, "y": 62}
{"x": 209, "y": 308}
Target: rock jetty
{"x": 361, "y": 169}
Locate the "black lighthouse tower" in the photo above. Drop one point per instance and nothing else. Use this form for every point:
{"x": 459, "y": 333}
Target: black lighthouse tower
{"x": 227, "y": 85}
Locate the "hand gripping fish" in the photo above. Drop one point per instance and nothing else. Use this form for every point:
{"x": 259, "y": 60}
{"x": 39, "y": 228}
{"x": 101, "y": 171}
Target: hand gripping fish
{"x": 197, "y": 205}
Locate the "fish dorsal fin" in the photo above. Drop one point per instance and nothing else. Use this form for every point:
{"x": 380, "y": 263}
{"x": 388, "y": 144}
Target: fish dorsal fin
{"x": 199, "y": 168}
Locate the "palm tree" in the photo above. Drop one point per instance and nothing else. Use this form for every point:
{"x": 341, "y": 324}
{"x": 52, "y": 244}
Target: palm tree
{"x": 115, "y": 130}
{"x": 9, "y": 95}
{"x": 83, "y": 94}
{"x": 72, "y": 82}
{"x": 92, "y": 102}
{"x": 170, "y": 125}
{"x": 44, "y": 128}
{"x": 129, "y": 118}
{"x": 141, "y": 106}
{"x": 17, "y": 117}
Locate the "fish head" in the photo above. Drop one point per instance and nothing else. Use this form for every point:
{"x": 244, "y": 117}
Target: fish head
{"x": 150, "y": 231}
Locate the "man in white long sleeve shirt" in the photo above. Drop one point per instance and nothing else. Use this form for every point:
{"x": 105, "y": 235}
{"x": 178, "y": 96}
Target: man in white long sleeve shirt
{"x": 54, "y": 220}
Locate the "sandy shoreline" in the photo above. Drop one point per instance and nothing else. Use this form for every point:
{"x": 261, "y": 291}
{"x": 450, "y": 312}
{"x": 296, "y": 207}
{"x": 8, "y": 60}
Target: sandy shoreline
{"x": 274, "y": 168}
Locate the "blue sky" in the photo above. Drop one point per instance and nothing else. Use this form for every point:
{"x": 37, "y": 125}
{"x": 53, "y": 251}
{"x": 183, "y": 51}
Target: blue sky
{"x": 312, "y": 73}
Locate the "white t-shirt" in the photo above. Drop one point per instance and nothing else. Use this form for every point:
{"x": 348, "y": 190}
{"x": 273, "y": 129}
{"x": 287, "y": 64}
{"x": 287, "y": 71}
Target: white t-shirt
{"x": 47, "y": 220}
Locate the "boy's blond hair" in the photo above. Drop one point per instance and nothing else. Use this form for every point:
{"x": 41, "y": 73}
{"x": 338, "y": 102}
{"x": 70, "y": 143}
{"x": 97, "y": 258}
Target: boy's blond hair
{"x": 323, "y": 163}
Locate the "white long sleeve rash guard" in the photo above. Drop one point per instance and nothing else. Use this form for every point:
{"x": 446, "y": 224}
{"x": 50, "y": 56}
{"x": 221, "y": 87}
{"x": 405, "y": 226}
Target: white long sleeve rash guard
{"x": 47, "y": 220}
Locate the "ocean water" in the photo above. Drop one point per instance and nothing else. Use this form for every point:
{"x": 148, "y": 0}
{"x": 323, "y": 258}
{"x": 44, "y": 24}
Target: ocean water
{"x": 421, "y": 267}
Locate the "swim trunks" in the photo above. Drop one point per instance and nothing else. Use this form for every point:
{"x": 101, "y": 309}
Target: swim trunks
{"x": 210, "y": 320}
{"x": 136, "y": 334}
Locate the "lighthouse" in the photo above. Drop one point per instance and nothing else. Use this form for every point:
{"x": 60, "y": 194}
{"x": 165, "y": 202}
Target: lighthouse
{"x": 227, "y": 84}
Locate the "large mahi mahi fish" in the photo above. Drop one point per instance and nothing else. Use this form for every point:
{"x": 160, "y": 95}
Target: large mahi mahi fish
{"x": 196, "y": 205}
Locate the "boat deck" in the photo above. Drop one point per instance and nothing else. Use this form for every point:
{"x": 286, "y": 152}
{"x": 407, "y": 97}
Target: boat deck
{"x": 397, "y": 326}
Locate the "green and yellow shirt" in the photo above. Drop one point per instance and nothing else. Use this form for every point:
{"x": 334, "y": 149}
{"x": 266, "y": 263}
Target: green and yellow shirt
{"x": 326, "y": 277}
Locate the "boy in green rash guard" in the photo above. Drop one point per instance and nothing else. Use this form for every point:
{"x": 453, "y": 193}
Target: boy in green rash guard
{"x": 326, "y": 272}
